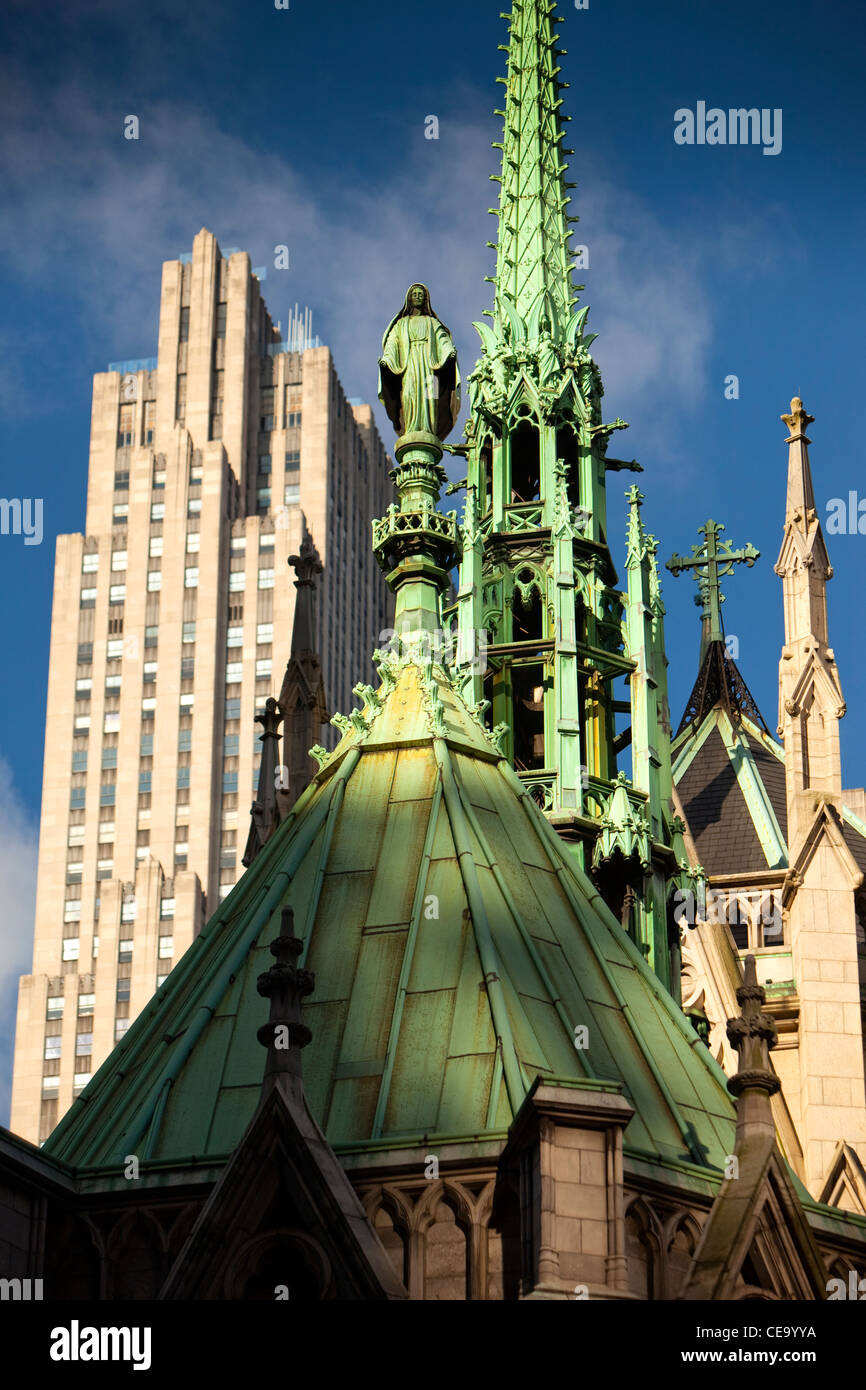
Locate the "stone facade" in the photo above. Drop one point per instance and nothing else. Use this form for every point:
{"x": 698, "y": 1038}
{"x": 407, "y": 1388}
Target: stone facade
{"x": 171, "y": 622}
{"x": 801, "y": 914}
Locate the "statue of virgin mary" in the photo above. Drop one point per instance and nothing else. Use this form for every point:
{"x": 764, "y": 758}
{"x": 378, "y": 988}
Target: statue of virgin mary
{"x": 419, "y": 379}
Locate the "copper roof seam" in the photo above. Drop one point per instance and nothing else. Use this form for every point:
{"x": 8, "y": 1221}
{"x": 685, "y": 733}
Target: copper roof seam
{"x": 220, "y": 920}
{"x": 514, "y": 1080}
{"x": 495, "y": 1086}
{"x": 408, "y": 957}
{"x": 206, "y": 1009}
{"x": 762, "y": 814}
{"x": 156, "y": 1119}
{"x": 561, "y": 871}
{"x": 335, "y": 805}
{"x": 525, "y": 934}
{"x": 235, "y": 957}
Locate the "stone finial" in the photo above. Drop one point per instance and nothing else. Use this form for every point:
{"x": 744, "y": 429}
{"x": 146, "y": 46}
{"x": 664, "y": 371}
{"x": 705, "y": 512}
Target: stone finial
{"x": 798, "y": 421}
{"x": 306, "y": 563}
{"x": 285, "y": 984}
{"x": 263, "y": 812}
{"x": 307, "y": 566}
{"x": 752, "y": 1033}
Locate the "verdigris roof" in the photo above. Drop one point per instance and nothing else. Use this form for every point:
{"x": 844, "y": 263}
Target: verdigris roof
{"x": 456, "y": 947}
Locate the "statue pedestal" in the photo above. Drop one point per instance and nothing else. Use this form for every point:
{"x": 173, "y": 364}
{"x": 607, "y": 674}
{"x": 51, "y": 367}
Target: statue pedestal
{"x": 418, "y": 447}
{"x": 419, "y": 472}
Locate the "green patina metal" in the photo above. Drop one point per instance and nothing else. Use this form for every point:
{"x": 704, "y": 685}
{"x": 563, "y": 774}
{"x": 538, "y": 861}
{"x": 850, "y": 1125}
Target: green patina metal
{"x": 457, "y": 943}
{"x": 535, "y": 444}
{"x": 710, "y": 562}
{"x": 537, "y": 581}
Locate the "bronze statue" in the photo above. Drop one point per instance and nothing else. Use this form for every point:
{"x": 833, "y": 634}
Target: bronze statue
{"x": 419, "y": 379}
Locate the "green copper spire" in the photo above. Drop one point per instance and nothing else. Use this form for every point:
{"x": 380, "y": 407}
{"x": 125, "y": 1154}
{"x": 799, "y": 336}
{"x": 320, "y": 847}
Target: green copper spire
{"x": 711, "y": 562}
{"x": 543, "y": 631}
{"x": 537, "y": 583}
{"x": 533, "y": 271}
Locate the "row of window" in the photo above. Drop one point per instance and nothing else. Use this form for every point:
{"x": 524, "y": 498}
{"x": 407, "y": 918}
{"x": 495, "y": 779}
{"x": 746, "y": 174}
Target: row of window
{"x": 291, "y": 496}
{"x": 166, "y": 913}
{"x": 120, "y": 558}
{"x": 55, "y": 1002}
{"x": 111, "y": 720}
{"x": 234, "y": 670}
{"x": 293, "y": 463}
{"x": 50, "y": 1084}
{"x": 121, "y": 509}
{"x": 264, "y": 635}
{"x": 126, "y": 425}
{"x": 117, "y": 592}
{"x": 75, "y": 870}
{"x": 109, "y": 756}
{"x": 72, "y": 951}
{"x": 267, "y": 541}
{"x": 118, "y": 647}
{"x": 107, "y": 797}
{"x": 114, "y": 680}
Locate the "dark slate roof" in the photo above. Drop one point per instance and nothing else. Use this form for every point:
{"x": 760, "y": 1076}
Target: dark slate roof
{"x": 772, "y": 771}
{"x": 716, "y": 812}
{"x": 856, "y": 843}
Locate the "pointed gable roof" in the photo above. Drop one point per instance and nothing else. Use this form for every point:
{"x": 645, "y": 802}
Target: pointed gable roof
{"x": 283, "y": 1191}
{"x": 845, "y": 1183}
{"x": 757, "y": 1241}
{"x": 731, "y": 781}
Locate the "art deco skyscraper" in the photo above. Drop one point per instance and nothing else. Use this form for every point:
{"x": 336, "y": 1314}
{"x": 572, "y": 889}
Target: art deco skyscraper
{"x": 171, "y": 625}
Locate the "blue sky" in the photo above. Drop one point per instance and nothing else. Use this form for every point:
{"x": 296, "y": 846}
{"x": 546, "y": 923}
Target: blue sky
{"x": 306, "y": 127}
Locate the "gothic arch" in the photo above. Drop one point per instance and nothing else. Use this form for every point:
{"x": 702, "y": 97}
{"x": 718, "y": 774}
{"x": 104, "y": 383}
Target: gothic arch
{"x": 390, "y": 1202}
{"x": 446, "y": 1245}
{"x": 136, "y": 1253}
{"x": 524, "y": 457}
{"x": 283, "y": 1257}
{"x": 492, "y": 624}
{"x": 644, "y": 1245}
{"x": 681, "y": 1235}
{"x": 529, "y": 579}
{"x": 681, "y": 1220}
{"x": 437, "y": 1192}
{"x": 75, "y": 1260}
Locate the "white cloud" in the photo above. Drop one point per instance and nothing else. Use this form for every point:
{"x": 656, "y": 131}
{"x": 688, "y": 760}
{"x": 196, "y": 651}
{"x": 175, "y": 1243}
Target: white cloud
{"x": 18, "y": 848}
{"x": 97, "y": 214}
